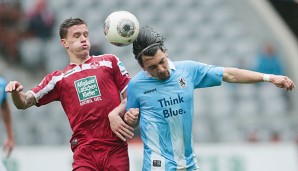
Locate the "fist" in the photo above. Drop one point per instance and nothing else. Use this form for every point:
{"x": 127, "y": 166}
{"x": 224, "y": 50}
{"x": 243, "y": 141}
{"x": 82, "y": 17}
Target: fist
{"x": 131, "y": 117}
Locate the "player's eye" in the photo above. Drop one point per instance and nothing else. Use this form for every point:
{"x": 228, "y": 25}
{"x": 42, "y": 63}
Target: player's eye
{"x": 152, "y": 67}
{"x": 76, "y": 35}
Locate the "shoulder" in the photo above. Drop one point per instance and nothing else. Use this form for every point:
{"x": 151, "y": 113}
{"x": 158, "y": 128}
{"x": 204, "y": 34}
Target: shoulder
{"x": 111, "y": 58}
{"x": 191, "y": 64}
{"x": 140, "y": 76}
{"x": 54, "y": 76}
{"x": 188, "y": 64}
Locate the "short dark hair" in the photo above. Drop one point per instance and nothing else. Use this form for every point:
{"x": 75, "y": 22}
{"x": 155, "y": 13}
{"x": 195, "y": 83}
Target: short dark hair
{"x": 147, "y": 43}
{"x": 69, "y": 23}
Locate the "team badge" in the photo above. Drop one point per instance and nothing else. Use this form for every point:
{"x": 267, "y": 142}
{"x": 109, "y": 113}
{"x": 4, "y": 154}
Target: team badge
{"x": 182, "y": 82}
{"x": 94, "y": 65}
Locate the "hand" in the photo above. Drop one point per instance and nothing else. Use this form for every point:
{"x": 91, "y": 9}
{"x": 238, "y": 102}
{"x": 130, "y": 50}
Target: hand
{"x": 131, "y": 117}
{"x": 8, "y": 147}
{"x": 13, "y": 86}
{"x": 120, "y": 128}
{"x": 282, "y": 82}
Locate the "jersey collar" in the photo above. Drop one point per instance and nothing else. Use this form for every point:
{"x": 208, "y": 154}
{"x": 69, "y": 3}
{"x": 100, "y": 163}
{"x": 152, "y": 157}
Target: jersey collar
{"x": 86, "y": 61}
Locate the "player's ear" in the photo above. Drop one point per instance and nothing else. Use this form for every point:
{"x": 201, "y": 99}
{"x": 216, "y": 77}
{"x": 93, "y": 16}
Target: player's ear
{"x": 64, "y": 43}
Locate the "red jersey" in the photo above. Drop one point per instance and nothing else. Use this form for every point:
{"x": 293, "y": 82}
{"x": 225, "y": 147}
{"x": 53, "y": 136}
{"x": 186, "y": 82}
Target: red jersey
{"x": 87, "y": 92}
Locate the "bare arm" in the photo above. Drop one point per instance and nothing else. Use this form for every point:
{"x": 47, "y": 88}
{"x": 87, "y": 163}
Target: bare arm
{"x": 235, "y": 75}
{"x": 118, "y": 126}
{"x": 9, "y": 143}
{"x": 20, "y": 99}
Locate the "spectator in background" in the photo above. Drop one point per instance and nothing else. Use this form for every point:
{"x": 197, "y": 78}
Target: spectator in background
{"x": 275, "y": 136}
{"x": 6, "y": 115}
{"x": 11, "y": 25}
{"x": 269, "y": 61}
{"x": 41, "y": 20}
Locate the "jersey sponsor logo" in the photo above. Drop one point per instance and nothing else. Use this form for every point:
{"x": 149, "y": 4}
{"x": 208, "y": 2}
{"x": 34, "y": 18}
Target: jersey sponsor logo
{"x": 182, "y": 82}
{"x": 122, "y": 68}
{"x": 170, "y": 104}
{"x": 150, "y": 91}
{"x": 87, "y": 90}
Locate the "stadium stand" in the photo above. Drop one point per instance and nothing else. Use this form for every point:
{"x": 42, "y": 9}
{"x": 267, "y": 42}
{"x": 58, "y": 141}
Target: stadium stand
{"x": 219, "y": 32}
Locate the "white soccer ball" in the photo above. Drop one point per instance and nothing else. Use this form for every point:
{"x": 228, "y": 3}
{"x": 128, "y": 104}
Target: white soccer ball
{"x": 121, "y": 28}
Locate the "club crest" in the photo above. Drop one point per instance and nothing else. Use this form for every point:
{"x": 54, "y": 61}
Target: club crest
{"x": 182, "y": 82}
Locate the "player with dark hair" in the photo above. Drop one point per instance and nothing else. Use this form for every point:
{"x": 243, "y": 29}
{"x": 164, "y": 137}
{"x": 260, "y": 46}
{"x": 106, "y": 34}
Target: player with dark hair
{"x": 5, "y": 111}
{"x": 164, "y": 93}
{"x": 89, "y": 88}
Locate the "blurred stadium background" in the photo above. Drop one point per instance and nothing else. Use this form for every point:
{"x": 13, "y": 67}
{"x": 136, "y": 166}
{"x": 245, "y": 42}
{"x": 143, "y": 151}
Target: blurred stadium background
{"x": 235, "y": 126}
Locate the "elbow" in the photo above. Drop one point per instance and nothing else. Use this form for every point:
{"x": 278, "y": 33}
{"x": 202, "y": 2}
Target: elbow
{"x": 230, "y": 75}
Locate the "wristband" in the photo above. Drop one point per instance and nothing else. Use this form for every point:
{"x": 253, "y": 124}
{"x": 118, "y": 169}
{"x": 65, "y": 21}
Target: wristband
{"x": 266, "y": 77}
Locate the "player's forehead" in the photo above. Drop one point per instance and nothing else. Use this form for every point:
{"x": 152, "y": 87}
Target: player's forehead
{"x": 77, "y": 29}
{"x": 154, "y": 60}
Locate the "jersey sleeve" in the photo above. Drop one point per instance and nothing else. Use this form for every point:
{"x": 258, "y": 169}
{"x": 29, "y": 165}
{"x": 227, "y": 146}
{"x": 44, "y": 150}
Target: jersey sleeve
{"x": 206, "y": 75}
{"x": 132, "y": 101}
{"x": 2, "y": 90}
{"x": 47, "y": 90}
{"x": 120, "y": 74}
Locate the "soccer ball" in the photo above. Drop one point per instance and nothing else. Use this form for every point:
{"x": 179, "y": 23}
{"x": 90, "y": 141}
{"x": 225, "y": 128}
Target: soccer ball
{"x": 121, "y": 28}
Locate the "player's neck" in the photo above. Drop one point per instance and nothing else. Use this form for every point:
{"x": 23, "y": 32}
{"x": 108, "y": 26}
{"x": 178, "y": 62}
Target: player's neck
{"x": 79, "y": 60}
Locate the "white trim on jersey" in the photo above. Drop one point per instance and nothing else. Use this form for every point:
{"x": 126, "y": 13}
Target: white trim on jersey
{"x": 50, "y": 86}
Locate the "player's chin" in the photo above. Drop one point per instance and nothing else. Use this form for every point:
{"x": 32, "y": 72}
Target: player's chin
{"x": 85, "y": 51}
{"x": 164, "y": 77}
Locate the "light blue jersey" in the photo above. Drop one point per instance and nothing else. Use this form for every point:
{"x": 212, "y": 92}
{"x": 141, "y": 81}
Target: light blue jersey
{"x": 166, "y": 113}
{"x": 2, "y": 89}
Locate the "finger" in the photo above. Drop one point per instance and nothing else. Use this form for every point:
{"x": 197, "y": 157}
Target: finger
{"x": 127, "y": 131}
{"x": 137, "y": 110}
{"x": 8, "y": 88}
{"x": 120, "y": 136}
{"x": 128, "y": 127}
{"x": 130, "y": 119}
{"x": 132, "y": 115}
{"x": 288, "y": 85}
{"x": 125, "y": 134}
{"x": 12, "y": 86}
{"x": 292, "y": 85}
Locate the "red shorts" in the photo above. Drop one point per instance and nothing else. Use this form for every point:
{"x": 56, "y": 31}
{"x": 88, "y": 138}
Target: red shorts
{"x": 101, "y": 158}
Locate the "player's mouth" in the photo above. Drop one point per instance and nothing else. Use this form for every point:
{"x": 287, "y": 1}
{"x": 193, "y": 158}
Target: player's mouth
{"x": 84, "y": 46}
